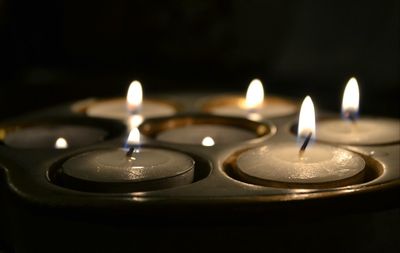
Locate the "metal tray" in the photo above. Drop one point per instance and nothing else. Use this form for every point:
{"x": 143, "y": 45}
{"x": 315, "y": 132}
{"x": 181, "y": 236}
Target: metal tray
{"x": 215, "y": 197}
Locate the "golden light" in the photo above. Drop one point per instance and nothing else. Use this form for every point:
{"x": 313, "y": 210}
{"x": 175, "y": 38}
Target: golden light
{"x": 254, "y": 95}
{"x": 134, "y": 96}
{"x": 134, "y": 137}
{"x": 306, "y": 119}
{"x": 351, "y": 97}
{"x": 61, "y": 143}
{"x": 208, "y": 141}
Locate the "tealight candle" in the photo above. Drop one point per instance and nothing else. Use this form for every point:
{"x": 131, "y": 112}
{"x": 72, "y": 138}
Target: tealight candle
{"x": 320, "y": 164}
{"x": 54, "y": 136}
{"x": 133, "y": 109}
{"x": 357, "y": 131}
{"x": 122, "y": 170}
{"x": 287, "y": 164}
{"x": 253, "y": 107}
{"x": 206, "y": 135}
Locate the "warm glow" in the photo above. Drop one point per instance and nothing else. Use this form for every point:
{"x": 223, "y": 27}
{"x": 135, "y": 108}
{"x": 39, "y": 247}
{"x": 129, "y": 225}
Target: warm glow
{"x": 61, "y": 143}
{"x": 134, "y": 137}
{"x": 134, "y": 97}
{"x": 208, "y": 141}
{"x": 254, "y": 95}
{"x": 351, "y": 97}
{"x": 306, "y": 119}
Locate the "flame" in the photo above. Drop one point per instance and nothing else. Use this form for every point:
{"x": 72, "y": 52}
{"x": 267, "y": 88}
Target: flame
{"x": 208, "y": 141}
{"x": 134, "y": 97}
{"x": 134, "y": 137}
{"x": 351, "y": 97}
{"x": 61, "y": 143}
{"x": 254, "y": 95}
{"x": 306, "y": 119}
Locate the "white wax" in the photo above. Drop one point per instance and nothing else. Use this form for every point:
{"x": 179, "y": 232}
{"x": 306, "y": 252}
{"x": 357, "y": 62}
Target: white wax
{"x": 116, "y": 109}
{"x": 195, "y": 134}
{"x": 363, "y": 132}
{"x": 319, "y": 164}
{"x": 113, "y": 165}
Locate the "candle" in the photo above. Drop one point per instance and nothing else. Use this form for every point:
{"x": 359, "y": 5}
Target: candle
{"x": 206, "y": 135}
{"x": 204, "y": 130}
{"x": 253, "y": 107}
{"x": 123, "y": 170}
{"x": 354, "y": 131}
{"x": 133, "y": 109}
{"x": 287, "y": 165}
{"x": 54, "y": 136}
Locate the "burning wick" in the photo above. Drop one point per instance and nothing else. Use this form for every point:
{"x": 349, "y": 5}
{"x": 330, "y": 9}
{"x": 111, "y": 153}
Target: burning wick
{"x": 133, "y": 142}
{"x": 352, "y": 116}
{"x": 304, "y": 146}
{"x": 132, "y": 149}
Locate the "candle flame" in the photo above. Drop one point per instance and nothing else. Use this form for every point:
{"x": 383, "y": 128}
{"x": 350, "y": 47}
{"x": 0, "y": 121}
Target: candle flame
{"x": 208, "y": 141}
{"x": 134, "y": 137}
{"x": 254, "y": 95}
{"x": 306, "y": 119}
{"x": 351, "y": 98}
{"x": 61, "y": 143}
{"x": 134, "y": 97}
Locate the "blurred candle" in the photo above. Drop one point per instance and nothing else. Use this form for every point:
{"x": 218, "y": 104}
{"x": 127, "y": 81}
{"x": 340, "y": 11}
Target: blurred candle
{"x": 132, "y": 110}
{"x": 254, "y": 106}
{"x": 355, "y": 131}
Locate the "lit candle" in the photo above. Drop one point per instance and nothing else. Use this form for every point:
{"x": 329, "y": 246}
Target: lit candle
{"x": 124, "y": 170}
{"x": 351, "y": 130}
{"x": 133, "y": 109}
{"x": 253, "y": 107}
{"x": 289, "y": 165}
{"x": 54, "y": 136}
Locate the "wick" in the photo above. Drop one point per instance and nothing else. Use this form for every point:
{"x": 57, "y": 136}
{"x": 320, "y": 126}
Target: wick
{"x": 351, "y": 116}
{"x": 131, "y": 150}
{"x": 304, "y": 146}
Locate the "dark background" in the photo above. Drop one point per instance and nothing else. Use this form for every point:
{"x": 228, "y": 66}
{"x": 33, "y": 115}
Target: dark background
{"x": 60, "y": 51}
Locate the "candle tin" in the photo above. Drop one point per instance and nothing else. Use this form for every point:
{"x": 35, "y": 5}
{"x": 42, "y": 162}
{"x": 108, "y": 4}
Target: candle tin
{"x": 218, "y": 211}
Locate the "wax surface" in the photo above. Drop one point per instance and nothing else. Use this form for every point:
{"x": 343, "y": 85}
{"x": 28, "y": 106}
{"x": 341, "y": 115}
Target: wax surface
{"x": 363, "y": 132}
{"x": 116, "y": 109}
{"x": 46, "y": 136}
{"x": 194, "y": 134}
{"x": 320, "y": 163}
{"x": 112, "y": 165}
